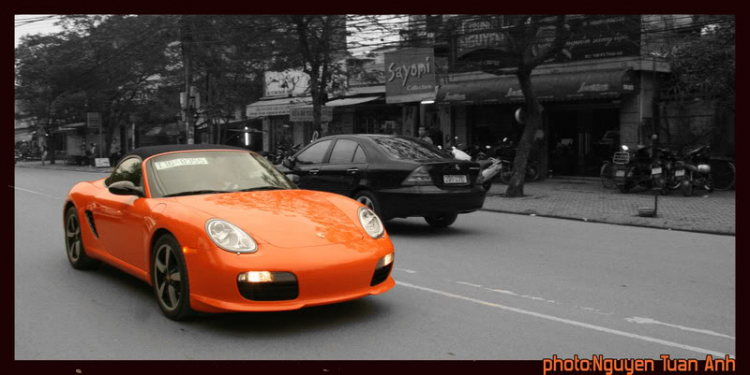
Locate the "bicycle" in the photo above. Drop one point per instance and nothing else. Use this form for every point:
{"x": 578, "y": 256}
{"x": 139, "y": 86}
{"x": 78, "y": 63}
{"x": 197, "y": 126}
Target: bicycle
{"x": 723, "y": 173}
{"x": 607, "y": 175}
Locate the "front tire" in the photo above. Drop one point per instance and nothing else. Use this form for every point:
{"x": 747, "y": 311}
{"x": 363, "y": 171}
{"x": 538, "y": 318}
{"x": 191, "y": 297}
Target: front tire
{"x": 441, "y": 221}
{"x": 170, "y": 279}
{"x": 607, "y": 175}
{"x": 74, "y": 243}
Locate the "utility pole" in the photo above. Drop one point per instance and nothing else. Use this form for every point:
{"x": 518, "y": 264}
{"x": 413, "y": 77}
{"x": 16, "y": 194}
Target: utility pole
{"x": 187, "y": 109}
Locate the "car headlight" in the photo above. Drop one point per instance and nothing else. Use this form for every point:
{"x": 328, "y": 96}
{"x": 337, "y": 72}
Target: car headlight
{"x": 371, "y": 222}
{"x": 229, "y": 237}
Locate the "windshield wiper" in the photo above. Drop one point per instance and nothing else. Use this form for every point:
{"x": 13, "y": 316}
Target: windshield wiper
{"x": 262, "y": 188}
{"x": 195, "y": 192}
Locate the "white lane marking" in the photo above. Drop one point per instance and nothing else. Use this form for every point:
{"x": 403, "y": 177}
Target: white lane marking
{"x": 469, "y": 284}
{"x": 571, "y": 322}
{"x": 33, "y": 192}
{"x": 640, "y": 320}
{"x": 508, "y": 292}
{"x": 405, "y": 270}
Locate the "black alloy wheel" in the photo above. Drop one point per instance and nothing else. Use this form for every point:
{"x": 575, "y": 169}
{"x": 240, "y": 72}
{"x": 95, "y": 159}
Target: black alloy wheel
{"x": 369, "y": 200}
{"x": 441, "y": 221}
{"x": 170, "y": 279}
{"x": 74, "y": 243}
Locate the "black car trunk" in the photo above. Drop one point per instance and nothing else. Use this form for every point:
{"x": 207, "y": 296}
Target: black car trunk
{"x": 453, "y": 174}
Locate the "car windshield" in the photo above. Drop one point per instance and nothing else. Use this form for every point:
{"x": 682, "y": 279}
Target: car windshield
{"x": 205, "y": 172}
{"x": 410, "y": 149}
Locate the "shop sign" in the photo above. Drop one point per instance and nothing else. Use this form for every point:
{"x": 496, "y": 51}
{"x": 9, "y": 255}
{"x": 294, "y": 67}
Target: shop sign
{"x": 478, "y": 34}
{"x": 291, "y": 82}
{"x": 410, "y": 75}
{"x": 93, "y": 120}
{"x": 306, "y": 114}
{"x": 268, "y": 110}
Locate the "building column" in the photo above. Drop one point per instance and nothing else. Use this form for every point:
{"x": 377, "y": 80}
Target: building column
{"x": 266, "y": 133}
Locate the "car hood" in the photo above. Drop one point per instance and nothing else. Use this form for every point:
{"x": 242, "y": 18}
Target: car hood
{"x": 283, "y": 218}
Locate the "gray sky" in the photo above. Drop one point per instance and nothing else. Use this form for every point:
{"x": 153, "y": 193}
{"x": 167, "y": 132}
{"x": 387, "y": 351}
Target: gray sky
{"x": 36, "y": 27}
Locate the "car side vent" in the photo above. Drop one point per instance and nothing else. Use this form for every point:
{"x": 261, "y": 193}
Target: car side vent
{"x": 90, "y": 218}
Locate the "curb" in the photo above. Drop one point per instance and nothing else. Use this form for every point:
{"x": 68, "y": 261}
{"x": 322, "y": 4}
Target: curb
{"x": 611, "y": 223}
{"x": 64, "y": 168}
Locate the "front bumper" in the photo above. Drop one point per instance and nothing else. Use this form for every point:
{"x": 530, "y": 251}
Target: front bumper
{"x": 325, "y": 274}
{"x": 429, "y": 201}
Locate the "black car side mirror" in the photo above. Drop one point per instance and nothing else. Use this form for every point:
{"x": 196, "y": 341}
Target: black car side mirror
{"x": 125, "y": 188}
{"x": 288, "y": 162}
{"x": 293, "y": 177}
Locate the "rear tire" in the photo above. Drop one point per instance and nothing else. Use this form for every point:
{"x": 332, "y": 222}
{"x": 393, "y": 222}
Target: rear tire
{"x": 532, "y": 171}
{"x": 607, "y": 175}
{"x": 442, "y": 221}
{"x": 74, "y": 247}
{"x": 506, "y": 174}
{"x": 368, "y": 199}
{"x": 723, "y": 174}
{"x": 686, "y": 187}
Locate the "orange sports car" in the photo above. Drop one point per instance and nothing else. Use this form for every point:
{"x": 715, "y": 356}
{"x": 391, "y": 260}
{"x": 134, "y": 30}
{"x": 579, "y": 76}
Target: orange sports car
{"x": 219, "y": 229}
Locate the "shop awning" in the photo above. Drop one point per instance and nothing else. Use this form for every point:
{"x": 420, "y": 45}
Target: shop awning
{"x": 274, "y": 107}
{"x": 351, "y": 101}
{"x": 548, "y": 87}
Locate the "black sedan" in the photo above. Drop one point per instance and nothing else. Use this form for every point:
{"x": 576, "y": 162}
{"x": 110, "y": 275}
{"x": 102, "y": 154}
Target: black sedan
{"x": 394, "y": 176}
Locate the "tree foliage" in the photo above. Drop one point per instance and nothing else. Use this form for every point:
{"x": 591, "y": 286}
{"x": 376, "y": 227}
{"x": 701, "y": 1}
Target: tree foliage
{"x": 703, "y": 66}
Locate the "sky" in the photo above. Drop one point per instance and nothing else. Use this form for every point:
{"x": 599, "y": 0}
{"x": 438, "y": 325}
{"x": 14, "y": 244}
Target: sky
{"x": 38, "y": 26}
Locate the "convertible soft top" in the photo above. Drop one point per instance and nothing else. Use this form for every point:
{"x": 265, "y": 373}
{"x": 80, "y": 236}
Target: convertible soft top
{"x": 145, "y": 152}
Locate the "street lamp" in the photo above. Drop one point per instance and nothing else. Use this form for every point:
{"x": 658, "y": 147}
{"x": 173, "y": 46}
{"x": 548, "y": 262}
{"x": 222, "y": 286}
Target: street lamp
{"x": 247, "y": 137}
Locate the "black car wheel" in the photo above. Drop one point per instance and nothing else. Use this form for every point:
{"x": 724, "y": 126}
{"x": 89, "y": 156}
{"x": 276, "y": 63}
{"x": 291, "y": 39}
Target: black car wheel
{"x": 441, "y": 221}
{"x": 74, "y": 243}
{"x": 369, "y": 199}
{"x": 170, "y": 278}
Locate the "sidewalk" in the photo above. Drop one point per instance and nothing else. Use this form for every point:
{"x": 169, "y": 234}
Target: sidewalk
{"x": 62, "y": 166}
{"x": 585, "y": 199}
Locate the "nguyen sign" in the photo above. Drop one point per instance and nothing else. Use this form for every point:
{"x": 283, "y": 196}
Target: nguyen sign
{"x": 410, "y": 75}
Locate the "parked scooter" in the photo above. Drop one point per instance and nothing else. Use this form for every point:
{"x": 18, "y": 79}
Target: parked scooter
{"x": 693, "y": 170}
{"x": 506, "y": 152}
{"x": 639, "y": 167}
{"x": 490, "y": 169}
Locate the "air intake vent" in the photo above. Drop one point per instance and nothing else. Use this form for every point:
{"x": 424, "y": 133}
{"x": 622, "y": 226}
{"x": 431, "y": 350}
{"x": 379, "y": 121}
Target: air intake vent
{"x": 381, "y": 274}
{"x": 283, "y": 287}
{"x": 90, "y": 219}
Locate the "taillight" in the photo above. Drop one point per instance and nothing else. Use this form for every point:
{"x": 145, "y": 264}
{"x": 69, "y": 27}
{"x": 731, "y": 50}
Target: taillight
{"x": 419, "y": 176}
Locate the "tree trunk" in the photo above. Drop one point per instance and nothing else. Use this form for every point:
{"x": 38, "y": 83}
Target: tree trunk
{"x": 533, "y": 123}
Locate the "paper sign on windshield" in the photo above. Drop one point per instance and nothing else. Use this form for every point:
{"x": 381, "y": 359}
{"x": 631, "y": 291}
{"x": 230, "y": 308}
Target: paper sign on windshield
{"x": 180, "y": 162}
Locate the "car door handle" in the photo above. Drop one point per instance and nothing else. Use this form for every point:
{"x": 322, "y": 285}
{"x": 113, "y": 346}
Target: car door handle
{"x": 354, "y": 170}
{"x": 314, "y": 171}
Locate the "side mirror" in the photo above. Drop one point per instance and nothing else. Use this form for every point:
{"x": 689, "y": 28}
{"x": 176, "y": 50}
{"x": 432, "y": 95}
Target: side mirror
{"x": 125, "y": 188}
{"x": 288, "y": 162}
{"x": 293, "y": 177}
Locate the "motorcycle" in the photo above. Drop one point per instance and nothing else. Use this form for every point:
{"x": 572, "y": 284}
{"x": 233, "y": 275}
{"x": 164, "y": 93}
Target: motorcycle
{"x": 638, "y": 167}
{"x": 506, "y": 152}
{"x": 490, "y": 169}
{"x": 694, "y": 170}
{"x": 283, "y": 152}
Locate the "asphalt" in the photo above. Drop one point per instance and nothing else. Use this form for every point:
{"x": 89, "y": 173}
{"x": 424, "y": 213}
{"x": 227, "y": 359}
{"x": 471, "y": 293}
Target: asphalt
{"x": 584, "y": 199}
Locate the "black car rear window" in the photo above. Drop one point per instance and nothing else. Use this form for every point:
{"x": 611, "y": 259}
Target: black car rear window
{"x": 408, "y": 149}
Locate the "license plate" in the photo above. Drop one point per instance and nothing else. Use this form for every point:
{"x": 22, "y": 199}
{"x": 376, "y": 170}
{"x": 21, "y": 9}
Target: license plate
{"x": 656, "y": 170}
{"x": 455, "y": 179}
{"x": 679, "y": 173}
{"x": 620, "y": 173}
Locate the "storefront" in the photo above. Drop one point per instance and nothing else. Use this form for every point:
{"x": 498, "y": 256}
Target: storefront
{"x": 582, "y": 114}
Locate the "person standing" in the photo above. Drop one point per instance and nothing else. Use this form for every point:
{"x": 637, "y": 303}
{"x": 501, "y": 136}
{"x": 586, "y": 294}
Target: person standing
{"x": 92, "y": 156}
{"x": 44, "y": 152}
{"x": 423, "y": 135}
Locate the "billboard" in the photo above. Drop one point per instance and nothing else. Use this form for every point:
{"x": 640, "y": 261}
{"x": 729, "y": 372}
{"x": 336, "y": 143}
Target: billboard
{"x": 291, "y": 82}
{"x": 410, "y": 75}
